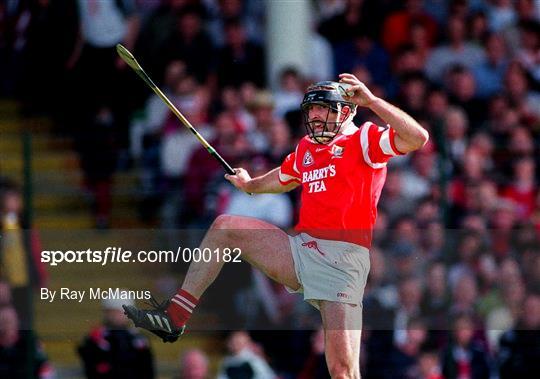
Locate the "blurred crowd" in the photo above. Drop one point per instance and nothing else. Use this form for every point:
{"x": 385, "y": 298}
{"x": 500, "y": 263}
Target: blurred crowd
{"x": 454, "y": 288}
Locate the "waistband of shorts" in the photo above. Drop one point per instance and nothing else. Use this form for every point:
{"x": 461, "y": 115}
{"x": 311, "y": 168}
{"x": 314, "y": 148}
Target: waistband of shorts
{"x": 359, "y": 237}
{"x": 360, "y": 248}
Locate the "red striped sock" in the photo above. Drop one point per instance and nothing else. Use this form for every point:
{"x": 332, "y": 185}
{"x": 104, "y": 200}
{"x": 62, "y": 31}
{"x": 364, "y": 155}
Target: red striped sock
{"x": 181, "y": 307}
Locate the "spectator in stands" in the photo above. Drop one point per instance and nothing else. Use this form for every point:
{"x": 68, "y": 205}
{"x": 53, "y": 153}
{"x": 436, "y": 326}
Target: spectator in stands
{"x": 501, "y": 14}
{"x": 362, "y": 50}
{"x": 276, "y": 209}
{"x": 176, "y": 147}
{"x": 468, "y": 251}
{"x": 113, "y": 350}
{"x": 100, "y": 75}
{"x": 279, "y": 142}
{"x": 320, "y": 64}
{"x": 503, "y": 222}
{"x": 429, "y": 365}
{"x": 232, "y": 102}
{"x": 461, "y": 86}
{"x": 96, "y": 145}
{"x": 497, "y": 121}
{"x": 269, "y": 306}
{"x": 156, "y": 28}
{"x": 464, "y": 357}
{"x": 465, "y": 298}
{"x": 380, "y": 288}
{"x": 405, "y": 61}
{"x": 13, "y": 251}
{"x": 194, "y": 365}
{"x": 455, "y": 127}
{"x": 436, "y": 297}
{"x": 20, "y": 249}
{"x": 39, "y": 23}
{"x": 489, "y": 73}
{"x": 457, "y": 50}
{"x": 408, "y": 308}
{"x": 405, "y": 259}
{"x": 18, "y": 347}
{"x": 240, "y": 59}
{"x": 146, "y": 131}
{"x": 343, "y": 25}
{"x": 520, "y": 347}
{"x": 482, "y": 144}
{"x": 262, "y": 110}
{"x": 225, "y": 10}
{"x": 315, "y": 366}
{"x": 519, "y": 89}
{"x": 242, "y": 361}
{"x": 404, "y": 359}
{"x": 523, "y": 188}
{"x": 203, "y": 168}
{"x": 393, "y": 202}
{"x": 146, "y": 142}
{"x": 398, "y": 26}
{"x": 436, "y": 106}
{"x": 413, "y": 93}
{"x": 189, "y": 43}
{"x": 421, "y": 40}
{"x": 506, "y": 314}
{"x": 478, "y": 27}
{"x": 290, "y": 91}
{"x": 432, "y": 242}
{"x": 421, "y": 174}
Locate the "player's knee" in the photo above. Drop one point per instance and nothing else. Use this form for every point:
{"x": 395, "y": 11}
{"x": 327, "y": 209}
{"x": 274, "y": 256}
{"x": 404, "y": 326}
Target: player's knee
{"x": 341, "y": 369}
{"x": 227, "y": 225}
{"x": 223, "y": 222}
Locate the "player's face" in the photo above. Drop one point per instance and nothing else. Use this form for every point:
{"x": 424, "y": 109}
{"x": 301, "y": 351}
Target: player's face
{"x": 324, "y": 121}
{"x": 319, "y": 114}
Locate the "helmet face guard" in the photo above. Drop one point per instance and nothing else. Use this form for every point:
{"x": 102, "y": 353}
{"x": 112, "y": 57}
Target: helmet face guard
{"x": 328, "y": 95}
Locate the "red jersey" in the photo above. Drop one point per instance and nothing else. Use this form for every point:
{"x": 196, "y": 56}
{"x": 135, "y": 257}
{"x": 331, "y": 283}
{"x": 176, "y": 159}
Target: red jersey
{"x": 341, "y": 182}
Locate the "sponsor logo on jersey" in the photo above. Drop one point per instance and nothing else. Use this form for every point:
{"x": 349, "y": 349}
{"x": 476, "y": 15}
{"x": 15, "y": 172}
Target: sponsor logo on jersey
{"x": 315, "y": 178}
{"x": 319, "y": 173}
{"x": 308, "y": 159}
{"x": 337, "y": 151}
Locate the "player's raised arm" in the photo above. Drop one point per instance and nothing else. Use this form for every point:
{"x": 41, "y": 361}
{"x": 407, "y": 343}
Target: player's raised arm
{"x": 267, "y": 183}
{"x": 410, "y": 136}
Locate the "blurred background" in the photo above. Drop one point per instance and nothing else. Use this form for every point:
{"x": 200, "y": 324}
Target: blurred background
{"x": 91, "y": 158}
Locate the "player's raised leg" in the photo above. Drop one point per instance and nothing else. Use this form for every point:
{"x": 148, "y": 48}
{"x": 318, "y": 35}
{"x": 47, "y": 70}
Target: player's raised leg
{"x": 263, "y": 245}
{"x": 342, "y": 330}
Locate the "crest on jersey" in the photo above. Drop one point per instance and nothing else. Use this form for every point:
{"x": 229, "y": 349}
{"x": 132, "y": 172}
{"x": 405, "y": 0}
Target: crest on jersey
{"x": 308, "y": 159}
{"x": 337, "y": 151}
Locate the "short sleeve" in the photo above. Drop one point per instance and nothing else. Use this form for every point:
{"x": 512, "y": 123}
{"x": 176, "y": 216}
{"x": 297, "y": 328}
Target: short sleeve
{"x": 288, "y": 172}
{"x": 378, "y": 144}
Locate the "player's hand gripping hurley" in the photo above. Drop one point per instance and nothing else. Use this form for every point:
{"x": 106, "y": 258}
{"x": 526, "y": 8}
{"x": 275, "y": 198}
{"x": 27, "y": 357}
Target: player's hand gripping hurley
{"x": 127, "y": 57}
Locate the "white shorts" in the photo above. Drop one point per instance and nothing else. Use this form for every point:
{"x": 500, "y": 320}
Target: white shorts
{"x": 329, "y": 270}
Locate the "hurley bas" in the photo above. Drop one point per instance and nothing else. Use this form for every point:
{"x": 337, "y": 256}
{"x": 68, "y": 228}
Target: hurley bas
{"x": 65, "y": 293}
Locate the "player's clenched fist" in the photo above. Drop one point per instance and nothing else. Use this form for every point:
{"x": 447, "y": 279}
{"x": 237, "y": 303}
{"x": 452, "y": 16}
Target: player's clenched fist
{"x": 361, "y": 95}
{"x": 239, "y": 180}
